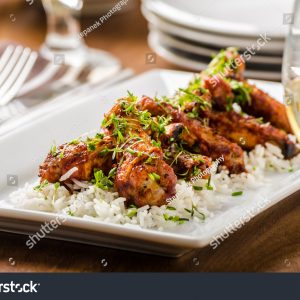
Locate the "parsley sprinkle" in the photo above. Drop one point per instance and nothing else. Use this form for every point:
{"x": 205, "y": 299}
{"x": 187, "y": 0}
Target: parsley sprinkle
{"x": 197, "y": 188}
{"x": 53, "y": 150}
{"x": 99, "y": 136}
{"x": 171, "y": 208}
{"x": 61, "y": 154}
{"x": 104, "y": 151}
{"x": 70, "y": 213}
{"x": 154, "y": 177}
{"x": 91, "y": 146}
{"x": 175, "y": 219}
{"x": 234, "y": 194}
{"x": 41, "y": 185}
{"x": 208, "y": 186}
{"x": 74, "y": 142}
{"x": 132, "y": 212}
{"x": 193, "y": 210}
{"x": 156, "y": 143}
{"x": 101, "y": 181}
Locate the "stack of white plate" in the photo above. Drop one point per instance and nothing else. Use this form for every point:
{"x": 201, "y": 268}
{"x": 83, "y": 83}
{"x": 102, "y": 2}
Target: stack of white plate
{"x": 187, "y": 33}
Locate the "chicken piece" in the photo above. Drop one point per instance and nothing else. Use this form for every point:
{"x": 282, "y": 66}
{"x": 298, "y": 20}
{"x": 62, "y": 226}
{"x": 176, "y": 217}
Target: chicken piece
{"x": 142, "y": 177}
{"x": 239, "y": 129}
{"x": 143, "y": 183}
{"x": 185, "y": 164}
{"x": 263, "y": 105}
{"x": 85, "y": 156}
{"x": 248, "y": 132}
{"x": 220, "y": 90}
{"x": 218, "y": 79}
{"x": 227, "y": 63}
{"x": 199, "y": 138}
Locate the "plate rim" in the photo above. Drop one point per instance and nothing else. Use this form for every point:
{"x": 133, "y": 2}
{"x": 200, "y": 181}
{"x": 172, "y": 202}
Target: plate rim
{"x": 225, "y": 28}
{"x": 193, "y": 35}
{"x": 193, "y": 65}
{"x": 166, "y": 238}
{"x": 195, "y": 49}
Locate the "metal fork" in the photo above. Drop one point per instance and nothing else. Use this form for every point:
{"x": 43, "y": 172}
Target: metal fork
{"x": 16, "y": 63}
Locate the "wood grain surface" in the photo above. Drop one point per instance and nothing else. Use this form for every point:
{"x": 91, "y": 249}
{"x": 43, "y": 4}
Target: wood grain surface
{"x": 269, "y": 243}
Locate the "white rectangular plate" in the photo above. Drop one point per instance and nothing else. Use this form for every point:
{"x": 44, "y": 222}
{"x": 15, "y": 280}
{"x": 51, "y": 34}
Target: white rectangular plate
{"x": 24, "y": 148}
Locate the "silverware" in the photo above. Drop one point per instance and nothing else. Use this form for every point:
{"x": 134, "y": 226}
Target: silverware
{"x": 10, "y": 110}
{"x": 16, "y": 113}
{"x": 16, "y": 63}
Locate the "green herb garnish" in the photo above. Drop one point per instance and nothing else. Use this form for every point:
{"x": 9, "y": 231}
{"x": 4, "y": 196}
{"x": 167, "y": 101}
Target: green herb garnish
{"x": 175, "y": 219}
{"x": 197, "y": 188}
{"x": 41, "y": 185}
{"x": 74, "y": 142}
{"x": 56, "y": 185}
{"x": 53, "y": 150}
{"x": 101, "y": 181}
{"x": 234, "y": 194}
{"x": 132, "y": 212}
{"x": 154, "y": 177}
{"x": 195, "y": 209}
{"x": 171, "y": 208}
{"x": 208, "y": 186}
{"x": 91, "y": 146}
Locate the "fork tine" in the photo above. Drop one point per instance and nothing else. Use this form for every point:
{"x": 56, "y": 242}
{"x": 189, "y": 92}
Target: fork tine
{"x": 5, "y": 56}
{"x": 15, "y": 72}
{"x": 10, "y": 64}
{"x": 15, "y": 87}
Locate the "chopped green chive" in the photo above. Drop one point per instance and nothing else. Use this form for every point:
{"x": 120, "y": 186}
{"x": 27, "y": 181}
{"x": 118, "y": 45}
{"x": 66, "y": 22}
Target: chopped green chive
{"x": 101, "y": 181}
{"x": 91, "y": 146}
{"x": 53, "y": 150}
{"x": 56, "y": 185}
{"x": 208, "y": 186}
{"x": 154, "y": 177}
{"x": 175, "y": 219}
{"x": 195, "y": 209}
{"x": 171, "y": 208}
{"x": 74, "y": 142}
{"x": 197, "y": 188}
{"x": 41, "y": 185}
{"x": 234, "y": 194}
{"x": 132, "y": 212}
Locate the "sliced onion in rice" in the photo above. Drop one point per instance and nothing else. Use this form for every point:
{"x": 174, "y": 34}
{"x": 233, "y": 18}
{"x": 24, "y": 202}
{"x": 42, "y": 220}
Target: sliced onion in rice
{"x": 68, "y": 174}
{"x": 80, "y": 183}
{"x": 69, "y": 185}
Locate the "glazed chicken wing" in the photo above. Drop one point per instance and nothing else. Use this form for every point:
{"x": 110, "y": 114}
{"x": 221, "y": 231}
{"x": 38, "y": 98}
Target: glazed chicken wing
{"x": 224, "y": 79}
{"x": 200, "y": 139}
{"x": 243, "y": 130}
{"x": 85, "y": 156}
{"x": 248, "y": 132}
{"x": 263, "y": 105}
{"x": 184, "y": 163}
{"x": 142, "y": 177}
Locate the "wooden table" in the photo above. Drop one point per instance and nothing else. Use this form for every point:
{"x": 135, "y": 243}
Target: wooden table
{"x": 270, "y": 242}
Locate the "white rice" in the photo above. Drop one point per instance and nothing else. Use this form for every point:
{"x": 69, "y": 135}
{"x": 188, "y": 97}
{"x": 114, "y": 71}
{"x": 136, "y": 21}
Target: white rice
{"x": 91, "y": 202}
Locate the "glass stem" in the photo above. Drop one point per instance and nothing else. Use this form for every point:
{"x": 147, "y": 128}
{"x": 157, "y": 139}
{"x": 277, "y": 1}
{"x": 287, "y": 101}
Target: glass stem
{"x": 63, "y": 25}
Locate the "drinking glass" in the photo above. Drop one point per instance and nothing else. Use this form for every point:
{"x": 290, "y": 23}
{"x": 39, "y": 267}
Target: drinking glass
{"x": 63, "y": 43}
{"x": 291, "y": 71}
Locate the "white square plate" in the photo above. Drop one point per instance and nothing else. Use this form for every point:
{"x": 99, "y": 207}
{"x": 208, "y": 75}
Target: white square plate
{"x": 23, "y": 148}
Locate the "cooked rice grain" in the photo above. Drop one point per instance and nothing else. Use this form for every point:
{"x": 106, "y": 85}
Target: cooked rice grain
{"x": 107, "y": 206}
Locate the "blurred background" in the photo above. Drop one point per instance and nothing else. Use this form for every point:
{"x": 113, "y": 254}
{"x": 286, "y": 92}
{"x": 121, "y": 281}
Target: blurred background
{"x": 124, "y": 35}
{"x": 76, "y": 42}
